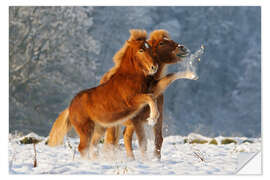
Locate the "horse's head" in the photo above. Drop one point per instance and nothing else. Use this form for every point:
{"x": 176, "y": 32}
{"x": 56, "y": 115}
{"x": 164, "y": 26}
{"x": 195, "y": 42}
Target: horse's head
{"x": 141, "y": 52}
{"x": 166, "y": 50}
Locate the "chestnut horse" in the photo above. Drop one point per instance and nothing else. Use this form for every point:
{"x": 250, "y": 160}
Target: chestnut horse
{"x": 113, "y": 102}
{"x": 165, "y": 52}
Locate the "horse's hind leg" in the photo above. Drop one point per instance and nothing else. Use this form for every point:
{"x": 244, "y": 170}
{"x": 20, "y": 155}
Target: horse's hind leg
{"x": 85, "y": 132}
{"x": 98, "y": 133}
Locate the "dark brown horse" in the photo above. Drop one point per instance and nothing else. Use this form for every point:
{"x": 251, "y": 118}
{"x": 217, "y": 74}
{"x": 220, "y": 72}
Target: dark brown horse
{"x": 113, "y": 102}
{"x": 165, "y": 52}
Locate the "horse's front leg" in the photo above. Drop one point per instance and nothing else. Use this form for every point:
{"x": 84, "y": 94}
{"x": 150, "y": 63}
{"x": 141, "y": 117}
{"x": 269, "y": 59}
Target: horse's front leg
{"x": 128, "y": 132}
{"x": 140, "y": 100}
{"x": 164, "y": 82}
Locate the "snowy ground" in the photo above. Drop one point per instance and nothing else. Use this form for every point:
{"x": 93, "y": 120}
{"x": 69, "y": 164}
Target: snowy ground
{"x": 177, "y": 158}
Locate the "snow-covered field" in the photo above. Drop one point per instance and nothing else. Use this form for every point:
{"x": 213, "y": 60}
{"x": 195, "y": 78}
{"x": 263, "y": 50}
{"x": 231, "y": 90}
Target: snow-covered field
{"x": 177, "y": 157}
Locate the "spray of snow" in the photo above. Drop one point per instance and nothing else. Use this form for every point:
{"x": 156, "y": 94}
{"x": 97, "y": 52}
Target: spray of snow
{"x": 191, "y": 62}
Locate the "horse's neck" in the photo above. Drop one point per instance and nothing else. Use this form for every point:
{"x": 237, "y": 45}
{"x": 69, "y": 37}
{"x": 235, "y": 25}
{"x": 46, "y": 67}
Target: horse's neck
{"x": 135, "y": 83}
{"x": 128, "y": 67}
{"x": 132, "y": 75}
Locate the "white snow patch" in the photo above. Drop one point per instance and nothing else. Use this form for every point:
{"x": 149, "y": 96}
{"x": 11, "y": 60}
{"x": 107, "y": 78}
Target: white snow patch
{"x": 177, "y": 158}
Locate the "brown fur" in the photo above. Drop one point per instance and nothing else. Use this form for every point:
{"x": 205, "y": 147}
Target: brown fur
{"x": 119, "y": 99}
{"x": 164, "y": 55}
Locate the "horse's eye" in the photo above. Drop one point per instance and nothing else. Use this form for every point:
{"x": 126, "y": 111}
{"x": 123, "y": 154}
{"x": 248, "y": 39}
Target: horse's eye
{"x": 161, "y": 43}
{"x": 141, "y": 50}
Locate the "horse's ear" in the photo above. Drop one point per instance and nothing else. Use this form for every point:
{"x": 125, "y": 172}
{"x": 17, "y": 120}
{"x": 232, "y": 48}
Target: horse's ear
{"x": 166, "y": 37}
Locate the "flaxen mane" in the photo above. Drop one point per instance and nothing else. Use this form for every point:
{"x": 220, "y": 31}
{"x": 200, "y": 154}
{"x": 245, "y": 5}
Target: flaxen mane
{"x": 157, "y": 35}
{"x": 135, "y": 34}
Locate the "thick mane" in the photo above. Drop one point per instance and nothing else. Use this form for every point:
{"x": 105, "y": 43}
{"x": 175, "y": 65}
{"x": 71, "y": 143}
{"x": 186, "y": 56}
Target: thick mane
{"x": 135, "y": 34}
{"x": 159, "y": 34}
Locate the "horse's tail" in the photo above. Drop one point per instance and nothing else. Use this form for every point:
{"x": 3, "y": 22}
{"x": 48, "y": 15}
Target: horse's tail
{"x": 60, "y": 128}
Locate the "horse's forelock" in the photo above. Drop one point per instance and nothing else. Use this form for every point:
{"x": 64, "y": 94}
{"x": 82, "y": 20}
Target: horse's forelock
{"x": 137, "y": 35}
{"x": 158, "y": 35}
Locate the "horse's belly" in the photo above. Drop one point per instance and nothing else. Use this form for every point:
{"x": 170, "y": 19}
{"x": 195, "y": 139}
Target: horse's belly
{"x": 114, "y": 118}
{"x": 111, "y": 107}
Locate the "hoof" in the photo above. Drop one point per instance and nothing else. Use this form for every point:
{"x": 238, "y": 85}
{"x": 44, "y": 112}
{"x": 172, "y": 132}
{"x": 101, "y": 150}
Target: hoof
{"x": 195, "y": 77}
{"x": 191, "y": 75}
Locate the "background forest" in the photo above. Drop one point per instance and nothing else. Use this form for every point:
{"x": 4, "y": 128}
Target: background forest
{"x": 54, "y": 52}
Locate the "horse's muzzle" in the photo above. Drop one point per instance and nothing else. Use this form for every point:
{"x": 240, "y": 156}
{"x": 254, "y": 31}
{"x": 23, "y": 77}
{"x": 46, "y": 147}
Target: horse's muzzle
{"x": 153, "y": 69}
{"x": 182, "y": 51}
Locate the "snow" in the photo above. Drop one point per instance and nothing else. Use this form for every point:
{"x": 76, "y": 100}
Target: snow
{"x": 177, "y": 157}
{"x": 190, "y": 62}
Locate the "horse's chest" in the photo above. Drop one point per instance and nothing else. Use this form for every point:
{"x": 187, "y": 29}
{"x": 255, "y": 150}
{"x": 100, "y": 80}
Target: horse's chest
{"x": 138, "y": 88}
